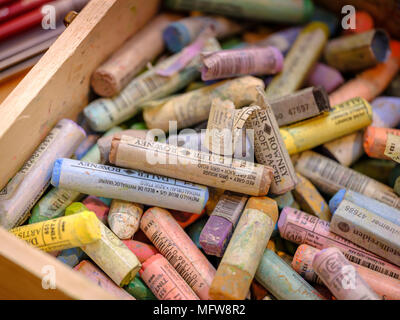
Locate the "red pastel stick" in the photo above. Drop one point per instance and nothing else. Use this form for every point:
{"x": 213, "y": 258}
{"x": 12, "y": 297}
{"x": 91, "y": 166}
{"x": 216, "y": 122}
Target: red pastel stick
{"x": 18, "y": 8}
{"x": 35, "y": 17}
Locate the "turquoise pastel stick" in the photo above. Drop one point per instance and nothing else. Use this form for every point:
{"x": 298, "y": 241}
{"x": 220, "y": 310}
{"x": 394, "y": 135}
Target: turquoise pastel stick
{"x": 282, "y": 281}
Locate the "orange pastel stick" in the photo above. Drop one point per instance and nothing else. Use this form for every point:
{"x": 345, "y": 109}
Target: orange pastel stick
{"x": 375, "y": 141}
{"x": 186, "y": 218}
{"x": 364, "y": 22}
{"x": 371, "y": 82}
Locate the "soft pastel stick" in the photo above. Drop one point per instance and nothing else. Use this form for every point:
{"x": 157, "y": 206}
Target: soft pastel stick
{"x": 376, "y": 141}
{"x": 217, "y": 232}
{"x": 164, "y": 281}
{"x": 329, "y": 177}
{"x": 368, "y": 230}
{"x": 181, "y": 33}
{"x": 282, "y": 12}
{"x": 300, "y": 105}
{"x": 283, "y": 39}
{"x": 386, "y": 112}
{"x": 174, "y": 244}
{"x": 54, "y": 202}
{"x": 282, "y": 281}
{"x": 310, "y": 200}
{"x": 61, "y": 233}
{"x": 26, "y": 187}
{"x": 300, "y": 59}
{"x": 358, "y": 51}
{"x": 90, "y": 271}
{"x": 124, "y": 218}
{"x": 113, "y": 257}
{"x": 236, "y": 62}
{"x": 191, "y": 165}
{"x": 72, "y": 256}
{"x": 244, "y": 252}
{"x": 343, "y": 119}
{"x": 325, "y": 76}
{"x": 341, "y": 277}
{"x": 302, "y": 228}
{"x": 98, "y": 207}
{"x": 388, "y": 288}
{"x": 375, "y": 206}
{"x": 128, "y": 185}
{"x": 126, "y": 62}
{"x": 139, "y": 290}
{"x": 142, "y": 251}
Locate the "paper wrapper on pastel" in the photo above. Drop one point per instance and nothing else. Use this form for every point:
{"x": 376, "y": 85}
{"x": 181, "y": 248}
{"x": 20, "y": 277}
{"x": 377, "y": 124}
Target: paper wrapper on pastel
{"x": 341, "y": 277}
{"x": 191, "y": 165}
{"x": 164, "y": 281}
{"x": 176, "y": 246}
{"x": 27, "y": 186}
{"x": 302, "y": 228}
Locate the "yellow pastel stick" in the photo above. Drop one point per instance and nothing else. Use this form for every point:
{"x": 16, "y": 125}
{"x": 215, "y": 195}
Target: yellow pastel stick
{"x": 345, "y": 118}
{"x": 61, "y": 233}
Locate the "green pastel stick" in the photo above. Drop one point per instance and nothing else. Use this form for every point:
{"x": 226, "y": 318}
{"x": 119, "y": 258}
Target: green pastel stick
{"x": 288, "y": 11}
{"x": 75, "y": 207}
{"x": 275, "y": 275}
{"x": 139, "y": 290}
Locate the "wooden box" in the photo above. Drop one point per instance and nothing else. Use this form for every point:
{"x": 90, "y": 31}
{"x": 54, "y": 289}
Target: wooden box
{"x": 58, "y": 87}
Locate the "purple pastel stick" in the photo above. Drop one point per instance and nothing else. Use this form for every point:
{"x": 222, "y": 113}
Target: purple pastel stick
{"x": 217, "y": 232}
{"x": 325, "y": 76}
{"x": 386, "y": 112}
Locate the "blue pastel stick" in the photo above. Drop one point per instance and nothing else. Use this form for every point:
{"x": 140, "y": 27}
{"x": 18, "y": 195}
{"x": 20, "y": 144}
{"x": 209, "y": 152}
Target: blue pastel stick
{"x": 387, "y": 212}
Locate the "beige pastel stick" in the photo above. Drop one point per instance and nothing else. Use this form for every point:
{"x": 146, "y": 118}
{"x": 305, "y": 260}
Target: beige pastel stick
{"x": 104, "y": 143}
{"x": 310, "y": 200}
{"x": 346, "y": 150}
{"x": 124, "y": 218}
{"x": 113, "y": 257}
{"x": 269, "y": 147}
{"x": 191, "y": 165}
{"x": 329, "y": 176}
{"x": 22, "y": 192}
{"x": 132, "y": 57}
{"x": 177, "y": 247}
{"x": 341, "y": 277}
{"x": 193, "y": 107}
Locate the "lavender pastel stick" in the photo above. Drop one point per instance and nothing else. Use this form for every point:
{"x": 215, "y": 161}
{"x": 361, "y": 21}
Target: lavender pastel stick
{"x": 283, "y": 40}
{"x": 325, "y": 76}
{"x": 215, "y": 236}
{"x": 229, "y": 63}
